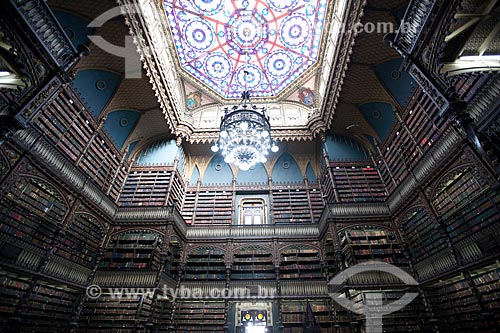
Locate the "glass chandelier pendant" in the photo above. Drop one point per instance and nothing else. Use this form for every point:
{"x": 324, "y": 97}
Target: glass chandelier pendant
{"x": 245, "y": 135}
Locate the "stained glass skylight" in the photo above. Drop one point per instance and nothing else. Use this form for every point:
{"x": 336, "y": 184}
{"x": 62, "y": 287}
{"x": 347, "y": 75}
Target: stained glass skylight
{"x": 274, "y": 41}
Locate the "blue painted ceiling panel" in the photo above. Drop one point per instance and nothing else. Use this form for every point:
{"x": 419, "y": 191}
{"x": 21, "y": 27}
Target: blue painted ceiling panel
{"x": 161, "y": 152}
{"x": 311, "y": 176}
{"x": 256, "y": 175}
{"x": 343, "y": 149}
{"x": 131, "y": 147}
{"x": 380, "y": 116}
{"x": 286, "y": 170}
{"x": 398, "y": 83}
{"x": 195, "y": 176}
{"x": 75, "y": 27}
{"x": 218, "y": 172}
{"x": 96, "y": 87}
{"x": 119, "y": 125}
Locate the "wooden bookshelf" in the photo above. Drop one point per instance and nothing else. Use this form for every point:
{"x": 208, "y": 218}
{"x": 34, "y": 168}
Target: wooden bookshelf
{"x": 361, "y": 244}
{"x": 487, "y": 282}
{"x": 66, "y": 124}
{"x": 13, "y": 288}
{"x": 132, "y": 249}
{"x": 72, "y": 129}
{"x": 177, "y": 191}
{"x": 201, "y": 317}
{"x": 82, "y": 241}
{"x": 174, "y": 259}
{"x": 101, "y": 161}
{"x": 205, "y": 263}
{"x": 110, "y": 313}
{"x": 322, "y": 312}
{"x": 292, "y": 316}
{"x": 327, "y": 186}
{"x": 341, "y": 319}
{"x": 251, "y": 263}
{"x": 49, "y": 307}
{"x": 300, "y": 262}
{"x": 466, "y": 205}
{"x": 119, "y": 181}
{"x": 468, "y": 85}
{"x": 188, "y": 206}
{"x": 291, "y": 205}
{"x": 301, "y": 316}
{"x": 330, "y": 257}
{"x": 412, "y": 318}
{"x": 32, "y": 212}
{"x": 410, "y": 139}
{"x": 424, "y": 122}
{"x": 422, "y": 234}
{"x": 408, "y": 319}
{"x": 146, "y": 186}
{"x": 358, "y": 183}
{"x": 455, "y": 305}
{"x": 214, "y": 207}
{"x": 317, "y": 203}
{"x": 163, "y": 315}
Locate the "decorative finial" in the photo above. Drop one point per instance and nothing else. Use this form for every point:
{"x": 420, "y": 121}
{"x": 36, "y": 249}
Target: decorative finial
{"x": 245, "y": 95}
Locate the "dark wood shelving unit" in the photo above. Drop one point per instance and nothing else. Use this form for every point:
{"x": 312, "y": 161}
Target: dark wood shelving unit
{"x": 251, "y": 263}
{"x": 201, "y": 317}
{"x": 205, "y": 264}
{"x": 146, "y": 186}
{"x": 317, "y": 203}
{"x": 114, "y": 314}
{"x": 466, "y": 204}
{"x": 455, "y": 304}
{"x": 300, "y": 262}
{"x": 487, "y": 283}
{"x": 49, "y": 307}
{"x": 291, "y": 205}
{"x": 358, "y": 183}
{"x": 361, "y": 244}
{"x": 82, "y": 241}
{"x": 214, "y": 207}
{"x": 133, "y": 249}
{"x": 188, "y": 206}
{"x": 32, "y": 213}
{"x": 300, "y": 315}
{"x": 71, "y": 128}
{"x": 422, "y": 234}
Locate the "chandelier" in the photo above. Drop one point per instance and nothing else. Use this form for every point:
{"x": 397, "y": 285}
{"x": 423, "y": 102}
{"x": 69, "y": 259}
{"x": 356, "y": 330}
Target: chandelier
{"x": 245, "y": 135}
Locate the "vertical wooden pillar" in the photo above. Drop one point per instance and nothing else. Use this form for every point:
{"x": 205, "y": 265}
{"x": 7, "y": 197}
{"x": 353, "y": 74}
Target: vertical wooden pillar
{"x": 92, "y": 138}
{"x": 271, "y": 200}
{"x": 198, "y": 185}
{"x": 171, "y": 181}
{"x": 122, "y": 160}
{"x": 330, "y": 174}
{"x": 306, "y": 183}
{"x": 234, "y": 205}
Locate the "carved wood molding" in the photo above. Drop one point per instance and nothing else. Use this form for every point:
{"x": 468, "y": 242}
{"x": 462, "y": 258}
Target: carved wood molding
{"x": 253, "y": 232}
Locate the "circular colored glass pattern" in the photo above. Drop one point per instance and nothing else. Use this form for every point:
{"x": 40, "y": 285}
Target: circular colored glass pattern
{"x": 233, "y": 45}
{"x": 246, "y": 31}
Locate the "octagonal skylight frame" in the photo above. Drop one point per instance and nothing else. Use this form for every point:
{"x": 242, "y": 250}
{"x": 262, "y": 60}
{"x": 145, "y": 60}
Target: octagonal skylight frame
{"x": 272, "y": 61}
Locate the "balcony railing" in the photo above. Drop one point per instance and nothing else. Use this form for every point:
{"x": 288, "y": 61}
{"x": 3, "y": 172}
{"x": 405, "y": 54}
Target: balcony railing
{"x": 414, "y": 23}
{"x": 40, "y": 19}
{"x": 253, "y": 231}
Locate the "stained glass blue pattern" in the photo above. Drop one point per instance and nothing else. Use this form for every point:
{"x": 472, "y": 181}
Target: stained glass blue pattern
{"x": 274, "y": 41}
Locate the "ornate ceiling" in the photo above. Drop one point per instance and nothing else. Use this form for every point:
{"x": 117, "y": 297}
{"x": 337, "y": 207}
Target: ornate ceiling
{"x": 330, "y": 96}
{"x": 273, "y": 41}
{"x": 197, "y": 52}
